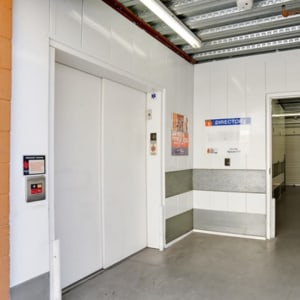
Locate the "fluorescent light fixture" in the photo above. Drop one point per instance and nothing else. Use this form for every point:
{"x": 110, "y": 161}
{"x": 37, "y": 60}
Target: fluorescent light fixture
{"x": 172, "y": 21}
{"x": 286, "y": 115}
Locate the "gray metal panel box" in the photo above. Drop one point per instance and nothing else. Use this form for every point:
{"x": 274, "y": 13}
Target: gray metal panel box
{"x": 35, "y": 188}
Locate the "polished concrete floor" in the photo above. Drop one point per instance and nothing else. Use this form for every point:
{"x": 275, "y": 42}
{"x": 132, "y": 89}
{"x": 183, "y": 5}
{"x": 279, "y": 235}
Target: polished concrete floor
{"x": 207, "y": 267}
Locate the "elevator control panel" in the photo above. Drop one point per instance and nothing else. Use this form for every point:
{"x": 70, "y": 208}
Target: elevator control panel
{"x": 35, "y": 188}
{"x": 153, "y": 143}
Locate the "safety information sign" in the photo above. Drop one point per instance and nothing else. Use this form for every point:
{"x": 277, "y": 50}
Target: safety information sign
{"x": 34, "y": 164}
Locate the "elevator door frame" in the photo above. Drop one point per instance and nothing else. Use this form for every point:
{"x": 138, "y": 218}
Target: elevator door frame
{"x": 270, "y": 203}
{"x": 155, "y": 164}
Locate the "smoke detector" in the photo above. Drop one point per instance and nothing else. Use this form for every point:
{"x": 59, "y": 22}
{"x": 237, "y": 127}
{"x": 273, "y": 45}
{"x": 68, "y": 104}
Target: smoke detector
{"x": 244, "y": 4}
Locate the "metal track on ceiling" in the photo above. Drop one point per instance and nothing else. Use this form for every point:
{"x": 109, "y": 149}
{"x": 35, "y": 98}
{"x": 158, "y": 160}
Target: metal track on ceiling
{"x": 225, "y": 30}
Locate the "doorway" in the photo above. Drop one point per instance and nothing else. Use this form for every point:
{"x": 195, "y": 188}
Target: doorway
{"x": 283, "y": 161}
{"x": 100, "y": 199}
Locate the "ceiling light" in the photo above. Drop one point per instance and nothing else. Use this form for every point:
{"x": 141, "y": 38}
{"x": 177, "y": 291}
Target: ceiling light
{"x": 173, "y": 22}
{"x": 286, "y": 115}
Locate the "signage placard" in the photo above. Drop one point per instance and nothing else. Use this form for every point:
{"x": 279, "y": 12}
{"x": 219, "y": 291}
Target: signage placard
{"x": 34, "y": 164}
{"x": 228, "y": 122}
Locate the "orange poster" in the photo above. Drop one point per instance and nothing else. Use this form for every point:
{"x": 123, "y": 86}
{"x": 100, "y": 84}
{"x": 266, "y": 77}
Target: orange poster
{"x": 180, "y": 135}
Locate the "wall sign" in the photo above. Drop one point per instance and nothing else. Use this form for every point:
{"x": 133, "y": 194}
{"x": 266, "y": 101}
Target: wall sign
{"x": 34, "y": 164}
{"x": 228, "y": 122}
{"x": 179, "y": 135}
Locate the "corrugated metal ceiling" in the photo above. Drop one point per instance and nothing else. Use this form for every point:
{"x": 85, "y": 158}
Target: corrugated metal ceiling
{"x": 225, "y": 30}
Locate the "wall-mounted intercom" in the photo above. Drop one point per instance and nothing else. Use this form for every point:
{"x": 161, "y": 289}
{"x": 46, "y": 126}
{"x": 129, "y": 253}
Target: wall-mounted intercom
{"x": 35, "y": 188}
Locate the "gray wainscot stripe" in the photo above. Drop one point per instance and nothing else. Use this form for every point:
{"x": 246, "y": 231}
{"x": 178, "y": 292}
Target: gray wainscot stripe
{"x": 33, "y": 289}
{"x": 243, "y": 181}
{"x": 178, "y": 182}
{"x": 230, "y": 222}
{"x": 178, "y": 225}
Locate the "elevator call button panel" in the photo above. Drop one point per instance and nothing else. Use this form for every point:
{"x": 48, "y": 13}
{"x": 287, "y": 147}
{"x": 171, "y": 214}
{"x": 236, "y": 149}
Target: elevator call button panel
{"x": 35, "y": 186}
{"x": 153, "y": 143}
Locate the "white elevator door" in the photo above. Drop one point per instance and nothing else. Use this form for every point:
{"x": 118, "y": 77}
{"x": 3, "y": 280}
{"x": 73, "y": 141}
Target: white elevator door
{"x": 124, "y": 173}
{"x": 77, "y": 173}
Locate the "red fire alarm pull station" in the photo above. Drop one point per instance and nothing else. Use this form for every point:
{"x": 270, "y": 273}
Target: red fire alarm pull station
{"x": 35, "y": 188}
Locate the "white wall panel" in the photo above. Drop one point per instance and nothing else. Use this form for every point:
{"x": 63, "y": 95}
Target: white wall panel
{"x": 201, "y": 111}
{"x": 292, "y": 71}
{"x": 231, "y": 202}
{"x": 237, "y": 108}
{"x": 178, "y": 204}
{"x": 185, "y": 202}
{"x": 68, "y": 21}
{"x": 237, "y": 202}
{"x": 275, "y": 72}
{"x": 121, "y": 43}
{"x": 256, "y": 147}
{"x": 202, "y": 200}
{"x": 29, "y": 229}
{"x": 219, "y": 90}
{"x": 255, "y": 108}
{"x": 171, "y": 207}
{"x": 95, "y": 36}
{"x": 219, "y": 201}
{"x": 202, "y": 92}
{"x": 236, "y": 90}
{"x": 141, "y": 52}
{"x": 256, "y": 203}
{"x": 255, "y": 81}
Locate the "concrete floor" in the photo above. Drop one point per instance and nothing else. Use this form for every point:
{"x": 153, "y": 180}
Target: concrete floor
{"x": 207, "y": 267}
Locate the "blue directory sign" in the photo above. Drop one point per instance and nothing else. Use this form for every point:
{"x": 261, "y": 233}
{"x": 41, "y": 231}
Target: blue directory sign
{"x": 228, "y": 122}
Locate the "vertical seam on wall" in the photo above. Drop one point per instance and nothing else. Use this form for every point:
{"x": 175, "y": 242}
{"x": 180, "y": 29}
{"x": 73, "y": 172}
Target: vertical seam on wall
{"x": 81, "y": 32}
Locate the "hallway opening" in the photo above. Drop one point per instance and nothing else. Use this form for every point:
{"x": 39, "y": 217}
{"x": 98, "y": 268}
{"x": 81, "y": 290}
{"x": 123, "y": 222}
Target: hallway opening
{"x": 285, "y": 155}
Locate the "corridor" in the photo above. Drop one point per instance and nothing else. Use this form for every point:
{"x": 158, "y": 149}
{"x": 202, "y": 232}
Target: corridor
{"x": 208, "y": 267}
